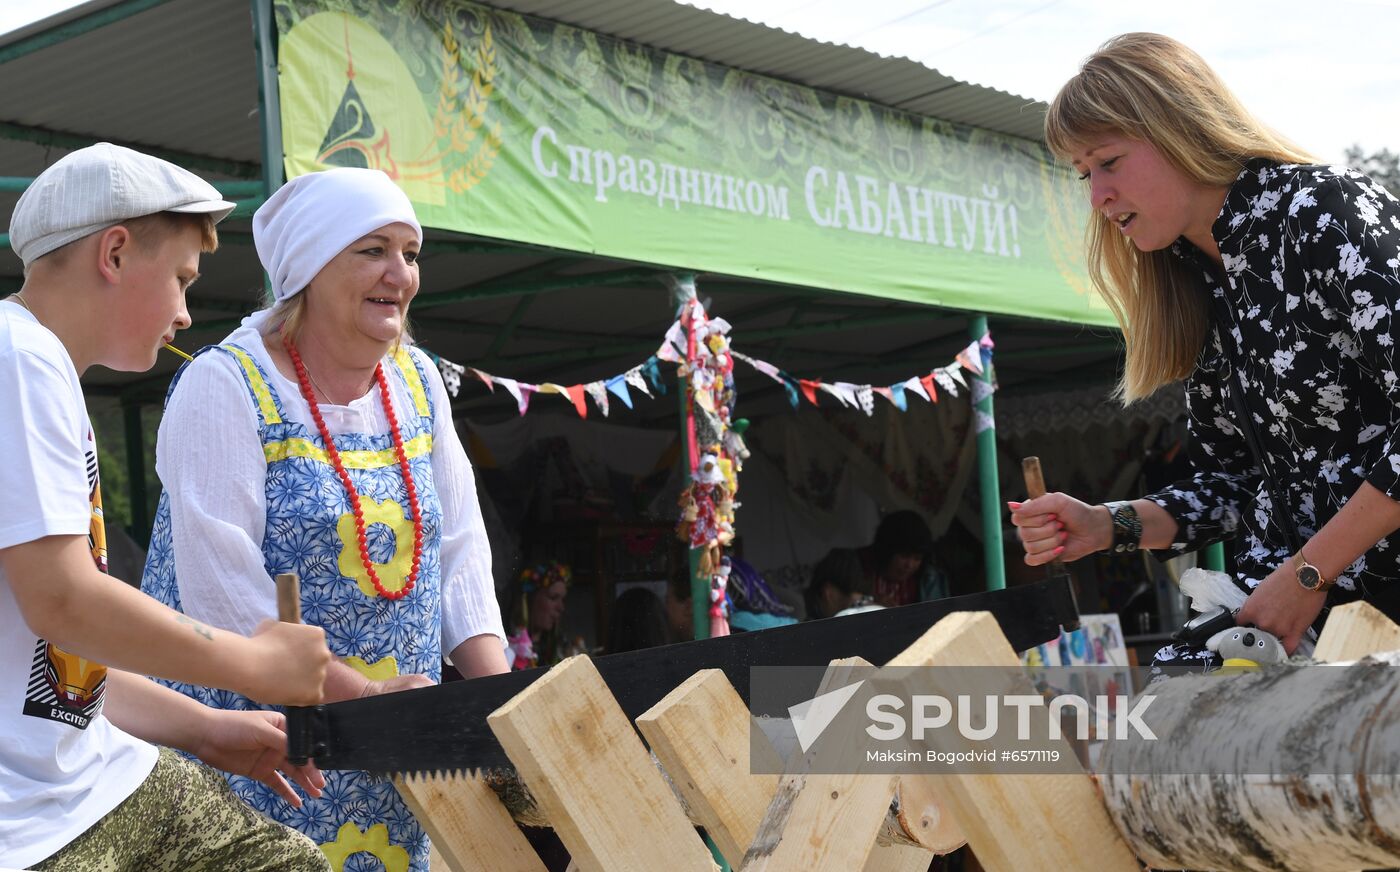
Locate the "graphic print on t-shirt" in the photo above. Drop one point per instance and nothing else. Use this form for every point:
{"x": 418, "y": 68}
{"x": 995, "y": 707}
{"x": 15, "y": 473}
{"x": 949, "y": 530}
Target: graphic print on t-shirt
{"x": 65, "y": 687}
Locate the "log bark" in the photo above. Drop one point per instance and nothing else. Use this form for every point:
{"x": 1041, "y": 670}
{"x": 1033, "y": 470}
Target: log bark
{"x": 1291, "y": 768}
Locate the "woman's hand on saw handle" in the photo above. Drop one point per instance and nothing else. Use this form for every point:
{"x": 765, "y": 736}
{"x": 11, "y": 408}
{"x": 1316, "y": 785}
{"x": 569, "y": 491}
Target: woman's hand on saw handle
{"x": 1058, "y": 526}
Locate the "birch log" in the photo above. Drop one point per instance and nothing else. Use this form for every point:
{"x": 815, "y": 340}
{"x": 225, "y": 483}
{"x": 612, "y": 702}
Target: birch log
{"x": 1292, "y": 768}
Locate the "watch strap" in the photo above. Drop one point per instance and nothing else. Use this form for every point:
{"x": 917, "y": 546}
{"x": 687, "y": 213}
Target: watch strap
{"x": 1127, "y": 527}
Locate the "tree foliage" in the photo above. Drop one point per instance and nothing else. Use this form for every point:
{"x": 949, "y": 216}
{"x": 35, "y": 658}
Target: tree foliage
{"x": 1383, "y": 166}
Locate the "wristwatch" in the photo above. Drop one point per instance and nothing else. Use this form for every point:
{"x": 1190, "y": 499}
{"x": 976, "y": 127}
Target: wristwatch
{"x": 1127, "y": 527}
{"x": 1309, "y": 576}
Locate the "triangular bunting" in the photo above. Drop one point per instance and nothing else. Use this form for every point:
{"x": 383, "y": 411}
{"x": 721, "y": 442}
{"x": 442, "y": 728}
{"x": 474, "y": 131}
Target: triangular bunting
{"x": 945, "y": 381}
{"x": 790, "y": 385}
{"x": 897, "y": 397}
{"x": 576, "y": 393}
{"x": 846, "y": 393}
{"x": 971, "y": 357}
{"x": 634, "y": 378}
{"x": 486, "y": 378}
{"x": 913, "y": 385}
{"x": 599, "y": 392}
{"x": 809, "y": 389}
{"x": 833, "y": 390}
{"x": 956, "y": 372}
{"x": 865, "y": 395}
{"x": 673, "y": 347}
{"x": 927, "y": 382}
{"x": 618, "y": 385}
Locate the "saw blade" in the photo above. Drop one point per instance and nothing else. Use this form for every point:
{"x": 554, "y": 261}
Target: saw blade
{"x": 443, "y": 729}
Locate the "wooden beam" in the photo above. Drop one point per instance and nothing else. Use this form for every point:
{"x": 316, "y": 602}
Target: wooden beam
{"x": 824, "y": 822}
{"x": 1355, "y": 630}
{"x": 1016, "y": 823}
{"x": 700, "y": 733}
{"x": 469, "y": 827}
{"x": 577, "y": 752}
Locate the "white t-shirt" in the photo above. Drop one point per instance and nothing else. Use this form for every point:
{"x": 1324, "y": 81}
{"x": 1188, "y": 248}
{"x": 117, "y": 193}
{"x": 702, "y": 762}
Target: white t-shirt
{"x": 63, "y": 765}
{"x": 211, "y": 462}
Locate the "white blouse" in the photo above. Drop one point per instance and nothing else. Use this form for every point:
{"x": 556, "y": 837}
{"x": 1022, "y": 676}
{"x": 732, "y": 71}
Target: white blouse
{"x": 210, "y": 460}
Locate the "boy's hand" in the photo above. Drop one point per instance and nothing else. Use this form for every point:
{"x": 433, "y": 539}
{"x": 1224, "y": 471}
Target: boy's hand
{"x": 255, "y": 744}
{"x": 288, "y": 664}
{"x": 396, "y": 684}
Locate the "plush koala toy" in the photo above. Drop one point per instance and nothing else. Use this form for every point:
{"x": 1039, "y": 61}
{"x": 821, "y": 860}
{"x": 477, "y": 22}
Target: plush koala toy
{"x": 1251, "y": 645}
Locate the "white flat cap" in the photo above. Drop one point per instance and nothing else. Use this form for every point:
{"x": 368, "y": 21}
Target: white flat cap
{"x": 100, "y": 186}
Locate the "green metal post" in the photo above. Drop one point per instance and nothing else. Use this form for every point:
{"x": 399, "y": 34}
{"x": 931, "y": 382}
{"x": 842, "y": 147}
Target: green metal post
{"x": 1214, "y": 557}
{"x": 140, "y": 528}
{"x": 269, "y": 103}
{"x": 684, "y": 287}
{"x": 985, "y": 423}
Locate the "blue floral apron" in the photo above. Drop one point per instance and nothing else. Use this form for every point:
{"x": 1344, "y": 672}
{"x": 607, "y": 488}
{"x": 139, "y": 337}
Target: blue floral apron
{"x": 360, "y": 822}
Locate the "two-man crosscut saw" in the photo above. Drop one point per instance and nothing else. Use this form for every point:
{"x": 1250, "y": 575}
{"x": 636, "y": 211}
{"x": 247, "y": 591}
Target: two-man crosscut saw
{"x": 443, "y": 728}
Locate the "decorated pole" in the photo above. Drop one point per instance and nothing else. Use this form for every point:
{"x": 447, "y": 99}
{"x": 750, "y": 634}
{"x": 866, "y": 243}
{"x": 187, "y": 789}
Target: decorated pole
{"x": 684, "y": 288}
{"x": 983, "y": 385}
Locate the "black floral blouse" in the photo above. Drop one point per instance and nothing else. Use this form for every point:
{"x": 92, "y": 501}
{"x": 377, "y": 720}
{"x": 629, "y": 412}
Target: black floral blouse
{"x": 1306, "y": 319}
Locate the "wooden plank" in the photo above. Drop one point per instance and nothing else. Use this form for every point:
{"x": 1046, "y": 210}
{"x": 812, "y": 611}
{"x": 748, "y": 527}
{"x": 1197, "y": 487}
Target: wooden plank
{"x": 1355, "y": 630}
{"x": 576, "y": 751}
{"x": 824, "y": 823}
{"x": 898, "y": 858}
{"x": 1016, "y": 823}
{"x": 469, "y": 827}
{"x": 700, "y": 733}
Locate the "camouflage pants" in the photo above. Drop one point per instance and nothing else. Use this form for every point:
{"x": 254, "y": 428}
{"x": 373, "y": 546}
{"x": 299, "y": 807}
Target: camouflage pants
{"x": 184, "y": 817}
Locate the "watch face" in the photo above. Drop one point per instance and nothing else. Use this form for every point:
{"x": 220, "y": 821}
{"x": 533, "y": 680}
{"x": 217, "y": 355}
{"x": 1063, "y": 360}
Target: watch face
{"x": 1309, "y": 577}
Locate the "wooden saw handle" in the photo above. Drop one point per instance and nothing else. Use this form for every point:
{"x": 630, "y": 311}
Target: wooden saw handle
{"x": 1035, "y": 479}
{"x": 289, "y": 598}
{"x": 1035, "y": 487}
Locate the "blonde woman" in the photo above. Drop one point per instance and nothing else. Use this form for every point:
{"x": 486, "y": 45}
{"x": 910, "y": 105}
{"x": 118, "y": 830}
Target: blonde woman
{"x": 1270, "y": 285}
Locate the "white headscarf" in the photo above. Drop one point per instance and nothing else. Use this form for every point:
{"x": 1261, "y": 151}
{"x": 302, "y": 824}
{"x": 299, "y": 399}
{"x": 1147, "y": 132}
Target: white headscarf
{"x": 312, "y": 218}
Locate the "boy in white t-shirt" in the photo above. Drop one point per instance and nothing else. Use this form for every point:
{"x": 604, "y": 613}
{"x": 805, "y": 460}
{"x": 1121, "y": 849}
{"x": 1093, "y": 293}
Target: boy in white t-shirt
{"x": 110, "y": 240}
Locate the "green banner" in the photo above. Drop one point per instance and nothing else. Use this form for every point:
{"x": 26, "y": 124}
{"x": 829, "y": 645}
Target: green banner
{"x": 518, "y": 128}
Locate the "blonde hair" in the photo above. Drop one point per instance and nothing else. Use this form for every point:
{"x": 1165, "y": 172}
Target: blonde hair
{"x": 1151, "y": 88}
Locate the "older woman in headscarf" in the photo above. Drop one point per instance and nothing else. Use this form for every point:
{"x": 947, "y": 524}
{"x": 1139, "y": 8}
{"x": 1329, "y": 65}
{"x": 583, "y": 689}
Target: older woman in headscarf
{"x": 314, "y": 439}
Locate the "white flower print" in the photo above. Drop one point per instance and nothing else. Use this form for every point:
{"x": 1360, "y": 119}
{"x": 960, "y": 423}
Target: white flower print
{"x": 1330, "y": 397}
{"x": 1302, "y": 198}
{"x": 1371, "y": 432}
{"x": 1352, "y": 263}
{"x": 1367, "y": 211}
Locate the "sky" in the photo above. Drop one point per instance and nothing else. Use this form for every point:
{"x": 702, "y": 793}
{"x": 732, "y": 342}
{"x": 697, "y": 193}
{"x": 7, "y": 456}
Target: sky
{"x": 1325, "y": 73}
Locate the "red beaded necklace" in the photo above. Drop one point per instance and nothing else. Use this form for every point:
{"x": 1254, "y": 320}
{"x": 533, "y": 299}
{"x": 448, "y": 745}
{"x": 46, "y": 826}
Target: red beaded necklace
{"x": 304, "y": 380}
